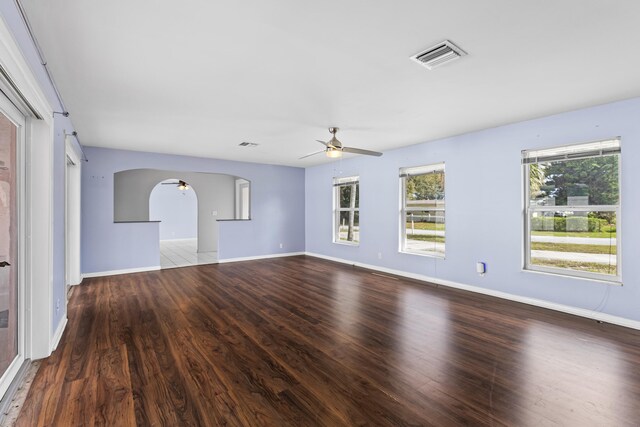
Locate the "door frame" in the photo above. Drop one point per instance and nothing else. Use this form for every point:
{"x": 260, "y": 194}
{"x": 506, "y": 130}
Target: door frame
{"x": 18, "y": 119}
{"x": 72, "y": 213}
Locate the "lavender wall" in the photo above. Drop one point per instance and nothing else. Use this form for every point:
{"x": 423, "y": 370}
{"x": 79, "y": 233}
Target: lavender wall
{"x": 484, "y": 208}
{"x": 62, "y": 125}
{"x": 277, "y": 210}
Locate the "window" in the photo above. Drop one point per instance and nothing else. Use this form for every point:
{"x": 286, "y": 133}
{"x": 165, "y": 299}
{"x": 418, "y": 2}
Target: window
{"x": 573, "y": 210}
{"x": 422, "y": 217}
{"x": 346, "y": 218}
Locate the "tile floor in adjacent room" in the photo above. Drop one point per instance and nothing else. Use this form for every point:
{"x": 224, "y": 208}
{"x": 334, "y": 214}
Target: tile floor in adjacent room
{"x": 183, "y": 253}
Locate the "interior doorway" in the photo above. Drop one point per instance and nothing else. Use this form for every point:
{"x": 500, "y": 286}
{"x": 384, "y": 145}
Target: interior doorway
{"x": 243, "y": 198}
{"x": 174, "y": 203}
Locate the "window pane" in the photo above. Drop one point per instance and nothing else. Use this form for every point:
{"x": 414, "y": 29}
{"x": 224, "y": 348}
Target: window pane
{"x": 581, "y": 241}
{"x": 8, "y": 244}
{"x": 425, "y": 191}
{"x": 349, "y": 227}
{"x": 425, "y": 232}
{"x": 345, "y": 194}
{"x": 582, "y": 182}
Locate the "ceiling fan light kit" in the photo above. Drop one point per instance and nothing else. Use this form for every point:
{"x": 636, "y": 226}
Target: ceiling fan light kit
{"x": 334, "y": 148}
{"x": 333, "y": 153}
{"x": 182, "y": 185}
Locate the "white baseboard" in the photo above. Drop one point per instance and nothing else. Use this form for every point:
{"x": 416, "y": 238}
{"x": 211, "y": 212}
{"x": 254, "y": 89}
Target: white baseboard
{"x": 252, "y": 258}
{"x": 55, "y": 340}
{"x": 179, "y": 238}
{"x": 76, "y": 284}
{"x": 125, "y": 271}
{"x": 595, "y": 315}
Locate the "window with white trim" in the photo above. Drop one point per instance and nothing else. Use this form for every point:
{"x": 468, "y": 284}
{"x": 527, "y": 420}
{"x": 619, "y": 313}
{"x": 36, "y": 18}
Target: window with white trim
{"x": 572, "y": 210}
{"x": 422, "y": 213}
{"x": 346, "y": 210}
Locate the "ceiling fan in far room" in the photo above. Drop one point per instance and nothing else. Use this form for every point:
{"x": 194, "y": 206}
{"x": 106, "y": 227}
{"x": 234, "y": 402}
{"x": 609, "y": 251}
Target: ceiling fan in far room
{"x": 182, "y": 185}
{"x": 334, "y": 148}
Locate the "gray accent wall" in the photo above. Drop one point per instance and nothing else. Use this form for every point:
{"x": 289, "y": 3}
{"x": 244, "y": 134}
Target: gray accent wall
{"x": 215, "y": 193}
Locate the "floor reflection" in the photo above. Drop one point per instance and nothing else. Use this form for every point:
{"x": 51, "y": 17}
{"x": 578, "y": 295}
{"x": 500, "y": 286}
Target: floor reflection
{"x": 573, "y": 374}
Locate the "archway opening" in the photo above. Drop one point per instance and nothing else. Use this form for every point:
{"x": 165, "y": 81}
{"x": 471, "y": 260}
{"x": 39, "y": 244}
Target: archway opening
{"x": 174, "y": 203}
{"x": 217, "y": 197}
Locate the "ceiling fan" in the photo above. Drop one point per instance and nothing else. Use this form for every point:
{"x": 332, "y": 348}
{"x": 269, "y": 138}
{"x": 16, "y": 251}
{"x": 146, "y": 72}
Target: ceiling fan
{"x": 182, "y": 185}
{"x": 334, "y": 148}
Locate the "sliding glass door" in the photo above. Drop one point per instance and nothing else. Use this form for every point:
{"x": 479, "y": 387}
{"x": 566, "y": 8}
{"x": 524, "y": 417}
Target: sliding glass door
{"x": 11, "y": 292}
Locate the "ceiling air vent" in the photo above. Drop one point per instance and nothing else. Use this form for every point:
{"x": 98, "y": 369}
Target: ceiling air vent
{"x": 248, "y": 144}
{"x": 439, "y": 54}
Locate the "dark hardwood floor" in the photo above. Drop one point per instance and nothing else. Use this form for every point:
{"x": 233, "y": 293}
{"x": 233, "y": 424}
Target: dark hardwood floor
{"x": 301, "y": 341}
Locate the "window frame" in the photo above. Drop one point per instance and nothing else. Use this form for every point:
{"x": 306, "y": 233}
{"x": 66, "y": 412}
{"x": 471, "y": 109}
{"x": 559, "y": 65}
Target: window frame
{"x": 339, "y": 182}
{"x": 404, "y": 173}
{"x": 528, "y": 210}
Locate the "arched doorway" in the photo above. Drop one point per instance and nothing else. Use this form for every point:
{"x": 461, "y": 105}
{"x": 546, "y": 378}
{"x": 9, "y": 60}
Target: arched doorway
{"x": 174, "y": 202}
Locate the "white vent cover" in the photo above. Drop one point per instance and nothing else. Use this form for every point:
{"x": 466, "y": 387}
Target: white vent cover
{"x": 439, "y": 54}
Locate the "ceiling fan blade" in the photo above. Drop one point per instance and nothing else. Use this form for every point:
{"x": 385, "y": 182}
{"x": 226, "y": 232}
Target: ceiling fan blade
{"x": 170, "y": 183}
{"x": 360, "y": 151}
{"x": 312, "y": 154}
{"x": 323, "y": 143}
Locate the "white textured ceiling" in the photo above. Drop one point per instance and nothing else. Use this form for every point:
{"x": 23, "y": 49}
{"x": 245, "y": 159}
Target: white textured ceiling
{"x": 198, "y": 77}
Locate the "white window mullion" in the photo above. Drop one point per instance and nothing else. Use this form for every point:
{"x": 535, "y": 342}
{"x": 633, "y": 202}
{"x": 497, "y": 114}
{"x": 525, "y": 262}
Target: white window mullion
{"x": 582, "y": 208}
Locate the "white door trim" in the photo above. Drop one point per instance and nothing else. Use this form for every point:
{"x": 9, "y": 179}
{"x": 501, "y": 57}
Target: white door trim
{"x": 13, "y": 114}
{"x": 73, "y": 194}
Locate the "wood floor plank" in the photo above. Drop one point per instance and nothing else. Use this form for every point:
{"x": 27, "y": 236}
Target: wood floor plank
{"x": 79, "y": 406}
{"x": 301, "y": 341}
{"x": 114, "y": 396}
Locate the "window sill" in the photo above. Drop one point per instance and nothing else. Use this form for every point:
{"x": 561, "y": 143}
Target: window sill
{"x": 422, "y": 254}
{"x": 134, "y": 222}
{"x": 612, "y": 282}
{"x": 347, "y": 243}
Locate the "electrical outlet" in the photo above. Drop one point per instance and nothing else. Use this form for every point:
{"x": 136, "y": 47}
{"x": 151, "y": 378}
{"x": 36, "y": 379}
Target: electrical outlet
{"x": 481, "y": 268}
{"x": 281, "y": 245}
{"x": 214, "y": 213}
{"x": 379, "y": 255}
{"x": 58, "y": 305}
